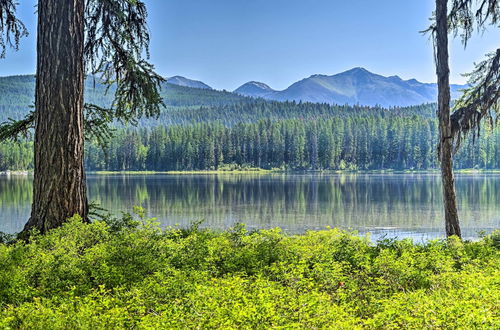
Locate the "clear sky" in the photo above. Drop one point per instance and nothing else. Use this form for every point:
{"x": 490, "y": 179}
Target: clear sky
{"x": 226, "y": 43}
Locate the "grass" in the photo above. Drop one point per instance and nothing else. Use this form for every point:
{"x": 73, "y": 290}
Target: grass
{"x": 473, "y": 170}
{"x": 256, "y": 171}
{"x": 128, "y": 273}
{"x": 229, "y": 169}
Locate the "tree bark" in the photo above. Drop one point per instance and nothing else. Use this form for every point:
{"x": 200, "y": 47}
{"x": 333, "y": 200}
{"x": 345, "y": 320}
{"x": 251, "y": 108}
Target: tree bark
{"x": 445, "y": 135}
{"x": 59, "y": 177}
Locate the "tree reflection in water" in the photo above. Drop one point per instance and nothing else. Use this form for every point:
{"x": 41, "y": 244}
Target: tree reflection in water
{"x": 394, "y": 204}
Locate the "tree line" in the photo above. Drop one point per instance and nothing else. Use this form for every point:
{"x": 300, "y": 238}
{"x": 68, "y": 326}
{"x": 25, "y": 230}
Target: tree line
{"x": 359, "y": 143}
{"x": 352, "y": 143}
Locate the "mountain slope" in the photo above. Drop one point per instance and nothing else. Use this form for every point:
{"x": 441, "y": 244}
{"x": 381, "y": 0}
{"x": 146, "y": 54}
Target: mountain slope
{"x": 356, "y": 86}
{"x": 17, "y": 94}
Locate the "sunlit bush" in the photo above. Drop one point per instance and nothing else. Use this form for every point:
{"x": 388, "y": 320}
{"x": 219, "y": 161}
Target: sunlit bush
{"x": 130, "y": 273}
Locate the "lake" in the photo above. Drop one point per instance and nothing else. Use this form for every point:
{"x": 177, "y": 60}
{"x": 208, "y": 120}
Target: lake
{"x": 386, "y": 205}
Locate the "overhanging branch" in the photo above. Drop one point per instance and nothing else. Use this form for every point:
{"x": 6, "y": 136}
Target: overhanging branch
{"x": 14, "y": 129}
{"x": 96, "y": 123}
{"x": 117, "y": 39}
{"x": 478, "y": 101}
{"x": 11, "y": 28}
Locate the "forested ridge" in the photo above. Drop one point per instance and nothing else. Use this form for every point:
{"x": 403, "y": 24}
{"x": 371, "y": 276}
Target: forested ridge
{"x": 202, "y": 129}
{"x": 17, "y": 94}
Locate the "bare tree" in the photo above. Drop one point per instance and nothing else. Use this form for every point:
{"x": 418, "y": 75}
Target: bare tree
{"x": 445, "y": 138}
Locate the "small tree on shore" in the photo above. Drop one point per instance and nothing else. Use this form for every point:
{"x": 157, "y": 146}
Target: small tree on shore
{"x": 479, "y": 101}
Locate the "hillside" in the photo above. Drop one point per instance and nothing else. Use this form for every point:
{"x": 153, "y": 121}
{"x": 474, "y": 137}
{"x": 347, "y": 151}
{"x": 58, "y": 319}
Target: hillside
{"x": 204, "y": 129}
{"x": 17, "y": 93}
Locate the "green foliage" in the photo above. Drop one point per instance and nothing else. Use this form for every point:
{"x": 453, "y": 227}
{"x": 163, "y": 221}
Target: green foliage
{"x": 128, "y": 273}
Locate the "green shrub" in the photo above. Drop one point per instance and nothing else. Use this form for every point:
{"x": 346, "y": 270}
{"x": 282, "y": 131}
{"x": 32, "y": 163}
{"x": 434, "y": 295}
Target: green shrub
{"x": 128, "y": 273}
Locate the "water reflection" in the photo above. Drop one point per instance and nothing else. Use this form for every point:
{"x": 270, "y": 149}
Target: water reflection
{"x": 392, "y": 205}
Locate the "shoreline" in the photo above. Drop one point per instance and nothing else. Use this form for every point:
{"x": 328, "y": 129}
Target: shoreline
{"x": 15, "y": 173}
{"x": 276, "y": 171}
{"x": 264, "y": 171}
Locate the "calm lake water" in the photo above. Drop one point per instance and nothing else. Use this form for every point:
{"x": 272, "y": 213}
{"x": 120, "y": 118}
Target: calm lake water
{"x": 390, "y": 205}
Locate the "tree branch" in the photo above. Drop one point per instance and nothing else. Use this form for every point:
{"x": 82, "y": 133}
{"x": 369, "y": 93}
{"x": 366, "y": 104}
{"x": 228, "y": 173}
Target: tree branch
{"x": 478, "y": 101}
{"x": 117, "y": 37}
{"x": 13, "y": 129}
{"x": 11, "y": 29}
{"x": 468, "y": 15}
{"x": 97, "y": 123}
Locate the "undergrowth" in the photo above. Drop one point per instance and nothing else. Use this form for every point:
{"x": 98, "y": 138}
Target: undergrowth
{"x": 129, "y": 273}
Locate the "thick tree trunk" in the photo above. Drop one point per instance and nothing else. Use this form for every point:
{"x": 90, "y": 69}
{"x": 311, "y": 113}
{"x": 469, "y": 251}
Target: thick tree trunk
{"x": 445, "y": 137}
{"x": 59, "y": 183}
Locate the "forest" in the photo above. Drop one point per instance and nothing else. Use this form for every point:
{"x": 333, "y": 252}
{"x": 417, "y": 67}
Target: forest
{"x": 291, "y": 136}
{"x": 204, "y": 129}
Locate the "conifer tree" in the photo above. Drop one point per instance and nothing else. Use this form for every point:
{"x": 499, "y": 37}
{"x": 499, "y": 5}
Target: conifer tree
{"x": 477, "y": 102}
{"x": 105, "y": 39}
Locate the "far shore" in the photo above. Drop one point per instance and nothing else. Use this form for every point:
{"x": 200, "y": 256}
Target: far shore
{"x": 280, "y": 171}
{"x": 265, "y": 171}
{"x": 15, "y": 173}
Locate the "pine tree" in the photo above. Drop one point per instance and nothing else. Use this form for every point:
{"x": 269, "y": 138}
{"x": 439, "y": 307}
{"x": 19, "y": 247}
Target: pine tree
{"x": 477, "y": 101}
{"x": 106, "y": 39}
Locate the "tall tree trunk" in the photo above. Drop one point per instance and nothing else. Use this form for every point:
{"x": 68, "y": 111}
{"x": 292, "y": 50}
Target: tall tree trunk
{"x": 59, "y": 183}
{"x": 445, "y": 136}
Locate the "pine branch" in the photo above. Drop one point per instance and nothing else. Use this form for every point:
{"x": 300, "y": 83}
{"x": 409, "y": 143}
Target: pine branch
{"x": 97, "y": 125}
{"x": 466, "y": 16}
{"x": 11, "y": 28}
{"x": 14, "y": 129}
{"x": 117, "y": 37}
{"x": 480, "y": 100}
{"x": 97, "y": 122}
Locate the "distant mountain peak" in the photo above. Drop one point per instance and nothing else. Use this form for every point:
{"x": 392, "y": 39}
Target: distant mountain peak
{"x": 396, "y": 77}
{"x": 357, "y": 70}
{"x": 183, "y": 81}
{"x": 260, "y": 85}
{"x": 254, "y": 89}
{"x": 318, "y": 76}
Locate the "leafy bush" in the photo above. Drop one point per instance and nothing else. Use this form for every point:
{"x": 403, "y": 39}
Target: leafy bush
{"x": 129, "y": 273}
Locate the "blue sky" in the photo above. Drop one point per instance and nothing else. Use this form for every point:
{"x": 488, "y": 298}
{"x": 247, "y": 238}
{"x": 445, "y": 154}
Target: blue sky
{"x": 226, "y": 43}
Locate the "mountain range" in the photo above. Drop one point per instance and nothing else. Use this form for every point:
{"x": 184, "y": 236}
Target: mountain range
{"x": 355, "y": 86}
